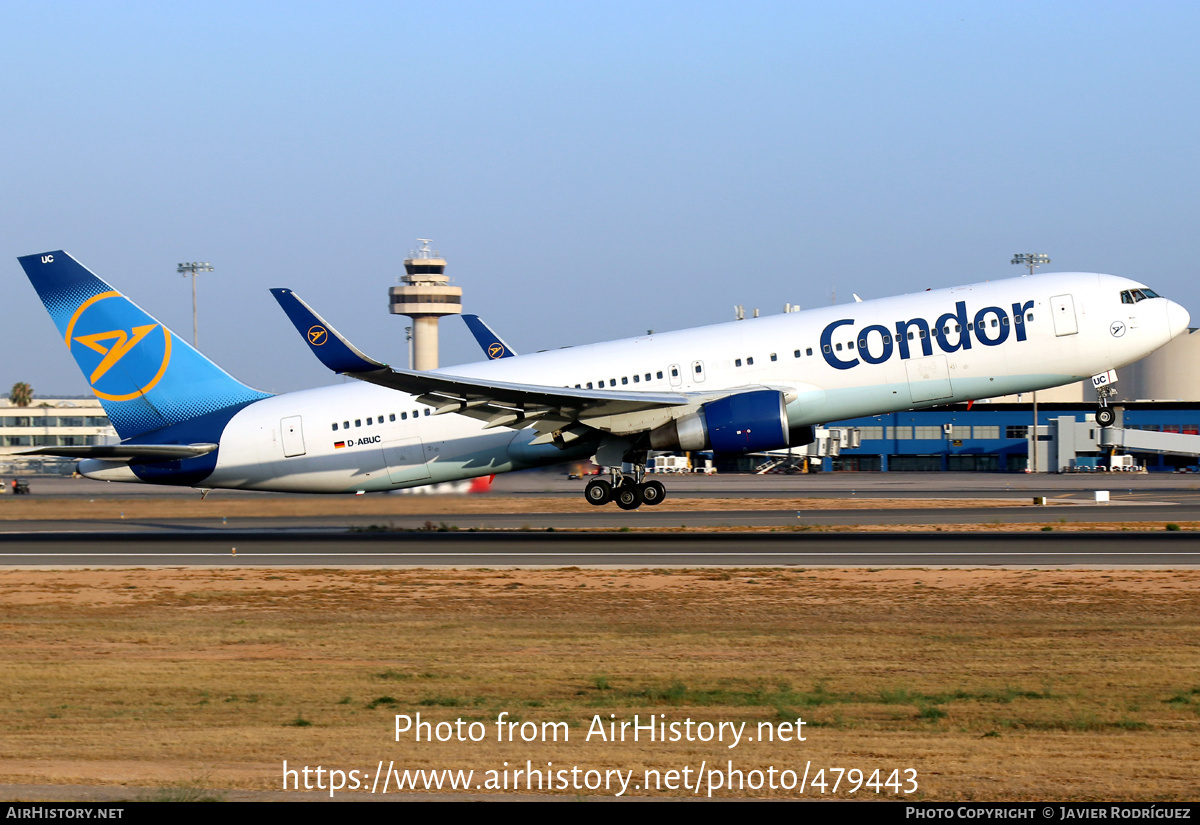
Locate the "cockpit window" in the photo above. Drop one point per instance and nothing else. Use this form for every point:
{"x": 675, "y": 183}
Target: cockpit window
{"x": 1132, "y": 296}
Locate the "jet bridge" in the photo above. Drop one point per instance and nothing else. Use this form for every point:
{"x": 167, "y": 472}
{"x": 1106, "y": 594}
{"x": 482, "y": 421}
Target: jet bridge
{"x": 1148, "y": 441}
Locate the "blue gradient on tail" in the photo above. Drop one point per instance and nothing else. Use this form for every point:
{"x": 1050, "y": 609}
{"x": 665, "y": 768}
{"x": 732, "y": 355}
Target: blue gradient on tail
{"x": 146, "y": 377}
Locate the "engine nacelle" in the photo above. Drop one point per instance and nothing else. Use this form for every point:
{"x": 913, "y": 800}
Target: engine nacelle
{"x": 742, "y": 423}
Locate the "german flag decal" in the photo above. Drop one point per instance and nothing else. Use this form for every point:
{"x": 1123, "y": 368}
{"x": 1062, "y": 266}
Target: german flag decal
{"x": 337, "y": 445}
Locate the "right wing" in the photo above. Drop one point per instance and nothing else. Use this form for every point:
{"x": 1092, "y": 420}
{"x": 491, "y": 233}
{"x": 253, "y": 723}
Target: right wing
{"x": 548, "y": 409}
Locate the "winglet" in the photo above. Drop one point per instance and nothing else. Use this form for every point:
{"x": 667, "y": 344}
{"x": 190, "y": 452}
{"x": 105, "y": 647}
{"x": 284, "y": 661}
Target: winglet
{"x": 327, "y": 344}
{"x": 493, "y": 345}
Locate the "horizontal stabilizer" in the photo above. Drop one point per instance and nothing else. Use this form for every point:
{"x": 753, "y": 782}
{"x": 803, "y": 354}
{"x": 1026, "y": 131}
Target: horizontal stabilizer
{"x": 128, "y": 452}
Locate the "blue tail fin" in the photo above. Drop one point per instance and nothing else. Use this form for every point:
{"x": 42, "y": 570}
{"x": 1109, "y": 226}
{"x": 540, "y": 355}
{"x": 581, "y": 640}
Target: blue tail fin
{"x": 146, "y": 377}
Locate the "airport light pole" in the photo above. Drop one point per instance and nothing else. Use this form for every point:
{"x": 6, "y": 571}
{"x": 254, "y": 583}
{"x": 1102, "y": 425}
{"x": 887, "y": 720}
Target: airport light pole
{"x": 192, "y": 269}
{"x": 1032, "y": 260}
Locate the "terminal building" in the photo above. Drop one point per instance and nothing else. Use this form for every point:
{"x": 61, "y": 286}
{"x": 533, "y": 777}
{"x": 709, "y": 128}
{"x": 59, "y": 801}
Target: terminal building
{"x": 50, "y": 422}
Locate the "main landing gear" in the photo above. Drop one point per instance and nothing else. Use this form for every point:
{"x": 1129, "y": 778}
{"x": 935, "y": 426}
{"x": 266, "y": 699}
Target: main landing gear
{"x": 628, "y": 491}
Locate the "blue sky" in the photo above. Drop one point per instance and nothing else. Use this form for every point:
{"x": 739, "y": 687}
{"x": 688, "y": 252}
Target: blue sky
{"x": 590, "y": 170}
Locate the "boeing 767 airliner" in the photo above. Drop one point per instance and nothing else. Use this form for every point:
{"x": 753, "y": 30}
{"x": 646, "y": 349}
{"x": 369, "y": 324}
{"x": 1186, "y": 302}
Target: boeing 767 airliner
{"x": 746, "y": 386}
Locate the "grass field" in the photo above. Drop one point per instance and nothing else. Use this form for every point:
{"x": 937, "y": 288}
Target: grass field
{"x": 990, "y": 684}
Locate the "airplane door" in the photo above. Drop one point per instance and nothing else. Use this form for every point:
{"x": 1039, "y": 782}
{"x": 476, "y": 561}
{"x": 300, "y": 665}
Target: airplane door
{"x": 928, "y": 378}
{"x": 1063, "y": 307}
{"x": 676, "y": 376}
{"x": 405, "y": 459}
{"x": 293, "y": 436}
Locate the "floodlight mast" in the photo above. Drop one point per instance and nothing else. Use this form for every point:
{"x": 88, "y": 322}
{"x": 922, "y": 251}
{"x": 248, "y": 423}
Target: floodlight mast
{"x": 1032, "y": 260}
{"x": 192, "y": 269}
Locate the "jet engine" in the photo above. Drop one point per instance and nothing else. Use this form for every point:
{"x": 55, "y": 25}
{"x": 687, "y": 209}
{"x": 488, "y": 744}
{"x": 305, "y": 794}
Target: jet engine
{"x": 742, "y": 423}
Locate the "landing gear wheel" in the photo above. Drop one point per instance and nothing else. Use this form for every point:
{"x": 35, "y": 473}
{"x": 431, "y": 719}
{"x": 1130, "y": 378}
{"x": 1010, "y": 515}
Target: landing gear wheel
{"x": 629, "y": 497}
{"x": 598, "y": 492}
{"x": 1105, "y": 417}
{"x": 653, "y": 492}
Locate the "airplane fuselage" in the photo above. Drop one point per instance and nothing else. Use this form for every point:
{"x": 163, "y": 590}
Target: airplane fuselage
{"x": 850, "y": 360}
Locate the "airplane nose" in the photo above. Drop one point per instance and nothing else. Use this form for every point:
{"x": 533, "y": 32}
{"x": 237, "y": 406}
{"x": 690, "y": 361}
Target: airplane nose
{"x": 1178, "y": 319}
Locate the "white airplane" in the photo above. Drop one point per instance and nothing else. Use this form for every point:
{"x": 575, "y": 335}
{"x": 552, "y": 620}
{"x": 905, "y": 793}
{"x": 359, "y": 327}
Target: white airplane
{"x": 745, "y": 386}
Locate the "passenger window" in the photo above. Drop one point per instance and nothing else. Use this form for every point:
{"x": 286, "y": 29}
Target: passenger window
{"x": 358, "y": 422}
{"x": 335, "y": 426}
{"x": 601, "y": 385}
{"x": 826, "y": 348}
{"x": 1004, "y": 321}
{"x": 589, "y": 385}
{"x": 750, "y": 361}
{"x": 637, "y": 378}
{"x": 659, "y": 374}
{"x": 995, "y": 323}
{"x": 839, "y": 347}
{"x": 674, "y": 372}
{"x": 624, "y": 380}
{"x": 773, "y": 358}
{"x": 403, "y": 416}
{"x": 862, "y": 343}
{"x": 698, "y": 368}
{"x": 392, "y": 417}
{"x": 427, "y": 411}
{"x": 738, "y": 362}
{"x": 797, "y": 353}
{"x": 648, "y": 376}
{"x": 1029, "y": 317}
{"x": 368, "y": 422}
{"x": 808, "y": 351}
{"x": 345, "y": 425}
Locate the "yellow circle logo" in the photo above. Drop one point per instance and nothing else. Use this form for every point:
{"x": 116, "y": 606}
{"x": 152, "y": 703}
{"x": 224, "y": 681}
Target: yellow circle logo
{"x": 106, "y": 339}
{"x": 317, "y": 335}
{"x": 495, "y": 351}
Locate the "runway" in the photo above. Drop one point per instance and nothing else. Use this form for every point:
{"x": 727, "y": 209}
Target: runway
{"x": 324, "y": 549}
{"x": 425, "y": 534}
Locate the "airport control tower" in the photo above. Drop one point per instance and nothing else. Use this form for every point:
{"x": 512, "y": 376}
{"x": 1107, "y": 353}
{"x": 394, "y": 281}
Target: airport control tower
{"x": 425, "y": 296}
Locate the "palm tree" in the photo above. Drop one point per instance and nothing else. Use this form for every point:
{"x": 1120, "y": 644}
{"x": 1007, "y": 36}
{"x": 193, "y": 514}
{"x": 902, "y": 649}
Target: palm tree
{"x": 21, "y": 395}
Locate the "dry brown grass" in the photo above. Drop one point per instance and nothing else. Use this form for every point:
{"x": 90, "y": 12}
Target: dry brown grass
{"x": 992, "y": 684}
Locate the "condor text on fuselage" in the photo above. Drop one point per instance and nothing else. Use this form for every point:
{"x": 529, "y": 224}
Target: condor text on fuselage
{"x": 952, "y": 331}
